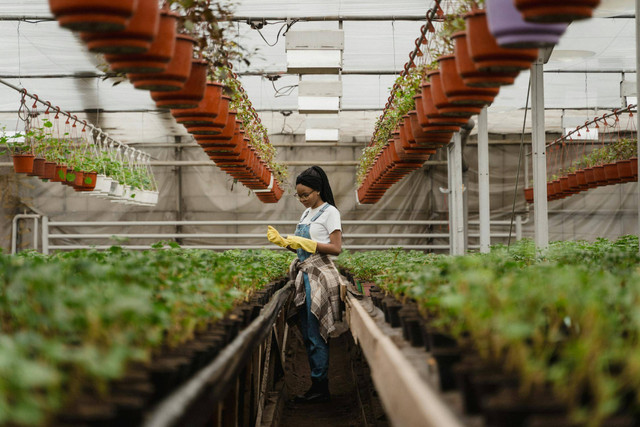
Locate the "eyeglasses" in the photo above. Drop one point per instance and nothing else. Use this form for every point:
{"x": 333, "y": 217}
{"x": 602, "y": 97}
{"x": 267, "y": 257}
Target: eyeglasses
{"x": 303, "y": 196}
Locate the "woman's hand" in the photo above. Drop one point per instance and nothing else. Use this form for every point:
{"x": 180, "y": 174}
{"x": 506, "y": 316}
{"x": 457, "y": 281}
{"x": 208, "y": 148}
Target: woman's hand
{"x": 275, "y": 237}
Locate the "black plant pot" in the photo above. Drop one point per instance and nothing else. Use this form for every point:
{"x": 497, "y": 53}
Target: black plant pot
{"x": 446, "y": 358}
{"x": 508, "y": 409}
{"x": 391, "y": 309}
{"x": 438, "y": 339}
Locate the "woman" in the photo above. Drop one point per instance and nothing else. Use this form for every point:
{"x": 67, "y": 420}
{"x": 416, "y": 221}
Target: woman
{"x": 317, "y": 294}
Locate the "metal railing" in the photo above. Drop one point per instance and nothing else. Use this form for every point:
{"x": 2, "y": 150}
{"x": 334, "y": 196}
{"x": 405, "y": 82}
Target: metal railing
{"x": 51, "y": 241}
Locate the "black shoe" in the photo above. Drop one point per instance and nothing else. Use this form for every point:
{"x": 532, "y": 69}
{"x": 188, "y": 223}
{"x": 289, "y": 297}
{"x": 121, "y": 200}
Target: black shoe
{"x": 319, "y": 392}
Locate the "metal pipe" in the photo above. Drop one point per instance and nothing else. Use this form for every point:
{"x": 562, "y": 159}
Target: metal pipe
{"x": 234, "y": 236}
{"x": 541, "y": 221}
{"x": 14, "y": 231}
{"x": 229, "y": 247}
{"x": 262, "y": 18}
{"x": 483, "y": 181}
{"x": 456, "y": 188}
{"x": 45, "y": 235}
{"x": 233, "y": 222}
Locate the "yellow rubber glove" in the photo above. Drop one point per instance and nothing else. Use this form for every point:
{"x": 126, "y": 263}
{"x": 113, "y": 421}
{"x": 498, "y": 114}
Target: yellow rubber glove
{"x": 275, "y": 237}
{"x": 297, "y": 242}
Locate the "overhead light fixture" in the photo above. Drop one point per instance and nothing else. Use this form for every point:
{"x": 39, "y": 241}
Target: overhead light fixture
{"x": 322, "y": 135}
{"x": 314, "y": 52}
{"x": 319, "y": 97}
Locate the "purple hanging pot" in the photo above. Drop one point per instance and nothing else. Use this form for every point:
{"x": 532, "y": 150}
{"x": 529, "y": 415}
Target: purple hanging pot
{"x": 511, "y": 31}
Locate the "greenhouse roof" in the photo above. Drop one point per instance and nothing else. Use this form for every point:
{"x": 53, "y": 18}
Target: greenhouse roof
{"x": 584, "y": 71}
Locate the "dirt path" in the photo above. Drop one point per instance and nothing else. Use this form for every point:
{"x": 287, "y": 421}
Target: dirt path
{"x": 343, "y": 410}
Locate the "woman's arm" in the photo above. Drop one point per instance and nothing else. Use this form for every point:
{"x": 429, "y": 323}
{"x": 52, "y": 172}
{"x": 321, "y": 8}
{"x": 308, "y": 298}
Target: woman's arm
{"x": 334, "y": 247}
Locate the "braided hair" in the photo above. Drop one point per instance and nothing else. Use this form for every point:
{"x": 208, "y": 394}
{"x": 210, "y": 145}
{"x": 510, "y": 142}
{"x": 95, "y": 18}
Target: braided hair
{"x": 316, "y": 179}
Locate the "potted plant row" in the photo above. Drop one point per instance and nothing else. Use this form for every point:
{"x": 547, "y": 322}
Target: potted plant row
{"x": 526, "y": 354}
{"x": 176, "y": 53}
{"x": 77, "y": 162}
{"x": 228, "y": 129}
{"x": 607, "y": 165}
{"x": 467, "y": 69}
{"x": 143, "y": 334}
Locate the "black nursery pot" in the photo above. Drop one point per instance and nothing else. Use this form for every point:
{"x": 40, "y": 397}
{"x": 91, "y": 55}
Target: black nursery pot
{"x": 508, "y": 409}
{"x": 439, "y": 340}
{"x": 391, "y": 309}
{"x": 446, "y": 358}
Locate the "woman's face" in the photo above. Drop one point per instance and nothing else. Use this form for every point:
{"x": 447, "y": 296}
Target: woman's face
{"x": 309, "y": 197}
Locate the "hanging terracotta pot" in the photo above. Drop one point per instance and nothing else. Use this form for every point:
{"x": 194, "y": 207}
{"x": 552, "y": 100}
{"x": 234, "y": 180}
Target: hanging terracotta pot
{"x": 436, "y": 120}
{"x": 156, "y": 59}
{"x": 408, "y": 150}
{"x": 424, "y": 141}
{"x": 206, "y": 111}
{"x": 137, "y": 36}
{"x": 191, "y": 93}
{"x": 93, "y": 15}
{"x": 512, "y": 31}
{"x": 233, "y": 149}
{"x": 426, "y": 124}
{"x": 457, "y": 91}
{"x": 226, "y": 132}
{"x": 422, "y": 138}
{"x": 556, "y": 11}
{"x": 175, "y": 75}
{"x": 611, "y": 173}
{"x": 38, "y": 166}
{"x": 470, "y": 73}
{"x": 573, "y": 182}
{"x": 634, "y": 167}
{"x": 582, "y": 179}
{"x": 590, "y": 176}
{"x": 23, "y": 163}
{"x": 78, "y": 181}
{"x": 36, "y": 162}
{"x": 60, "y": 174}
{"x": 528, "y": 195}
{"x": 90, "y": 180}
{"x": 557, "y": 189}
{"x": 485, "y": 52}
{"x": 443, "y": 105}
{"x": 599, "y": 176}
{"x": 550, "y": 191}
{"x": 624, "y": 170}
{"x": 222, "y": 119}
{"x": 49, "y": 170}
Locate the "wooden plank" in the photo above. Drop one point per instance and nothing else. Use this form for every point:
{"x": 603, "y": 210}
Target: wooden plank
{"x": 407, "y": 399}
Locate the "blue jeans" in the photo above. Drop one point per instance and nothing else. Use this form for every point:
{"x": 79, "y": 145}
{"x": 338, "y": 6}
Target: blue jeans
{"x": 317, "y": 348}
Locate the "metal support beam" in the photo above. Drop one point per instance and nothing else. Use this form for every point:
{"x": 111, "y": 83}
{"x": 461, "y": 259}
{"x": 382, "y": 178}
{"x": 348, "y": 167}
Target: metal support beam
{"x": 541, "y": 219}
{"x": 45, "y": 235}
{"x": 456, "y": 204}
{"x": 483, "y": 181}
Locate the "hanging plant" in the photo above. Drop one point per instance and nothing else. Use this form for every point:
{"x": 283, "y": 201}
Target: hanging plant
{"x": 208, "y": 22}
{"x": 253, "y": 128}
{"x": 406, "y": 87}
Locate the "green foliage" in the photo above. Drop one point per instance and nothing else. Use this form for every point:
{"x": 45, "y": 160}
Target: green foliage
{"x": 253, "y": 128}
{"x": 74, "y": 321}
{"x": 566, "y": 317}
{"x": 407, "y": 86}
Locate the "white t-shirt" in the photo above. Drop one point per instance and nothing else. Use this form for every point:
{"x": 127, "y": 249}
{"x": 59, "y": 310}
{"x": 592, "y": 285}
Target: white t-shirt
{"x": 324, "y": 225}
